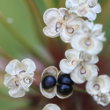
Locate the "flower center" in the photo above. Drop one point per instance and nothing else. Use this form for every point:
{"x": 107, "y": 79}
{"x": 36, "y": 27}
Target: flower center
{"x": 82, "y": 71}
{"x": 70, "y": 30}
{"x": 88, "y": 42}
{"x": 97, "y": 87}
{"x": 27, "y": 80}
{"x": 58, "y": 26}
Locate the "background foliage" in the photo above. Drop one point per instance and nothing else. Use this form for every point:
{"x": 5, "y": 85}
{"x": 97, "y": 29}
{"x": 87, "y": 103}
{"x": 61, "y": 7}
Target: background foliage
{"x": 21, "y": 36}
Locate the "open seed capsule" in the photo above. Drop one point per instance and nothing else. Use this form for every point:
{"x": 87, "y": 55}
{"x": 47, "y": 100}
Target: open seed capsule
{"x": 64, "y": 88}
{"x": 48, "y": 82}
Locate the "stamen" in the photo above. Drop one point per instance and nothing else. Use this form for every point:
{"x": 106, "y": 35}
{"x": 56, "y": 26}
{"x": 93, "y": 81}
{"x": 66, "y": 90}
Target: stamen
{"x": 70, "y": 30}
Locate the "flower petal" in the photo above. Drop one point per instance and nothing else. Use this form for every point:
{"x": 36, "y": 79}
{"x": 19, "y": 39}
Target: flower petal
{"x": 16, "y": 93}
{"x": 30, "y": 65}
{"x": 91, "y": 15}
{"x": 50, "y": 15}
{"x": 11, "y": 67}
{"x": 51, "y": 107}
{"x": 65, "y": 66}
{"x": 97, "y": 8}
{"x": 9, "y": 81}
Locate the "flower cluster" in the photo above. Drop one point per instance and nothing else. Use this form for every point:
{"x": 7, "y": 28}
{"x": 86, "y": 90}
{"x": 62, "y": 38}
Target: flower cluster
{"x": 74, "y": 25}
{"x": 19, "y": 77}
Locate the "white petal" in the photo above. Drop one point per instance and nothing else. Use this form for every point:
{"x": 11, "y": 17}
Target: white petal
{"x": 11, "y": 67}
{"x": 97, "y": 27}
{"x": 16, "y": 93}
{"x": 76, "y": 76}
{"x": 71, "y": 3}
{"x": 50, "y": 31}
{"x": 51, "y": 107}
{"x": 30, "y": 65}
{"x": 65, "y": 36}
{"x": 94, "y": 60}
{"x": 8, "y": 81}
{"x": 72, "y": 54}
{"x": 97, "y": 8}
{"x": 65, "y": 66}
{"x": 92, "y": 71}
{"x": 101, "y": 37}
{"x": 50, "y": 15}
{"x": 91, "y": 15}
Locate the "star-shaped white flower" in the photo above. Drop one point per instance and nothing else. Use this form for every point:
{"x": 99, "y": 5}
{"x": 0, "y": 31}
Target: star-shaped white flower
{"x": 90, "y": 40}
{"x": 60, "y": 23}
{"x": 84, "y": 8}
{"x": 100, "y": 90}
{"x": 19, "y": 77}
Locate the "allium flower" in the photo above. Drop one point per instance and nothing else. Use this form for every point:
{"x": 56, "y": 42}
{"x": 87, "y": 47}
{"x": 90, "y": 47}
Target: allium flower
{"x": 90, "y": 39}
{"x": 19, "y": 77}
{"x": 100, "y": 90}
{"x": 51, "y": 107}
{"x": 55, "y": 83}
{"x": 60, "y": 23}
{"x": 84, "y": 8}
{"x": 74, "y": 58}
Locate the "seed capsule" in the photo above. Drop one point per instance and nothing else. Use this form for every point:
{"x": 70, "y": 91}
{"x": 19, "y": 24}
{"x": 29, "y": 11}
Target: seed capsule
{"x": 64, "y": 89}
{"x": 48, "y": 82}
{"x": 65, "y": 79}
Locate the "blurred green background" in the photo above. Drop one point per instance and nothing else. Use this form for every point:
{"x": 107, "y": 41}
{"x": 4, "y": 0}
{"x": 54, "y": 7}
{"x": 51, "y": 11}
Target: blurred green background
{"x": 21, "y": 36}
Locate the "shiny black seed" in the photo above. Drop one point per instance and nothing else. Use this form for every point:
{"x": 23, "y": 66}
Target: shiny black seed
{"x": 48, "y": 82}
{"x": 65, "y": 79}
{"x": 64, "y": 89}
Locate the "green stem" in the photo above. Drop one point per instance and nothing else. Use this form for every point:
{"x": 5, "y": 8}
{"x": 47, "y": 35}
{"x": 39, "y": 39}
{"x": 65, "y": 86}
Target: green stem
{"x": 77, "y": 89}
{"x": 39, "y": 51}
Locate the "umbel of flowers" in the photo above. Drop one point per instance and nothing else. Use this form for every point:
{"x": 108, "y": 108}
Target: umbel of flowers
{"x": 74, "y": 25}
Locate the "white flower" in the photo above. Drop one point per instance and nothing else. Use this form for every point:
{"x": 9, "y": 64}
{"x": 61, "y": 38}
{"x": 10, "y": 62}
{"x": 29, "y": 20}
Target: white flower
{"x": 99, "y": 89}
{"x": 90, "y": 40}
{"x": 19, "y": 77}
{"x": 74, "y": 58}
{"x": 95, "y": 29}
{"x": 60, "y": 23}
{"x": 84, "y": 72}
{"x": 51, "y": 107}
{"x": 98, "y": 85}
{"x": 84, "y": 8}
{"x": 102, "y": 99}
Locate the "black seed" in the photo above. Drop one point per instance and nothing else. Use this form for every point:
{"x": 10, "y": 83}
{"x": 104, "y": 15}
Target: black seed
{"x": 48, "y": 82}
{"x": 64, "y": 89}
{"x": 65, "y": 79}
